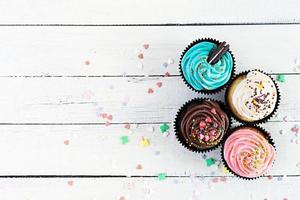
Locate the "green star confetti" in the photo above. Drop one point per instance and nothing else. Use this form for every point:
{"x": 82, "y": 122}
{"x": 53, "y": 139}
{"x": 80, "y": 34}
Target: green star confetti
{"x": 164, "y": 127}
{"x": 210, "y": 161}
{"x": 124, "y": 139}
{"x": 162, "y": 176}
{"x": 281, "y": 78}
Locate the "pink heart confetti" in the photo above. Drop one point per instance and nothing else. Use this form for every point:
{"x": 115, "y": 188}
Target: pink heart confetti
{"x": 150, "y": 91}
{"x": 141, "y": 56}
{"x": 103, "y": 115}
{"x": 146, "y": 46}
{"x": 167, "y": 74}
{"x": 215, "y": 179}
{"x": 127, "y": 126}
{"x": 139, "y": 166}
{"x": 70, "y": 183}
{"x": 159, "y": 84}
{"x": 110, "y": 117}
{"x": 66, "y": 142}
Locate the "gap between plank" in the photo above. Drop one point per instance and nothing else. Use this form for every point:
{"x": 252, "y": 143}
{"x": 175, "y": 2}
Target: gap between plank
{"x": 161, "y": 24}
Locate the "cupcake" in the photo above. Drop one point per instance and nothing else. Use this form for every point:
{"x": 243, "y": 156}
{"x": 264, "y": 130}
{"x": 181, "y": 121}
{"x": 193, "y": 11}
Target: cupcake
{"x": 202, "y": 75}
{"x": 248, "y": 152}
{"x": 201, "y": 124}
{"x": 252, "y": 97}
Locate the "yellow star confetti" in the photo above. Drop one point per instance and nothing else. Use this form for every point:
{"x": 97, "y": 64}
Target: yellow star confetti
{"x": 224, "y": 169}
{"x": 144, "y": 142}
{"x": 260, "y": 86}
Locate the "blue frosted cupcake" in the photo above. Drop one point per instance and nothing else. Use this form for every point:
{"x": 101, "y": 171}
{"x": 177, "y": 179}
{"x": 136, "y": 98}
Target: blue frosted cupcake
{"x": 201, "y": 75}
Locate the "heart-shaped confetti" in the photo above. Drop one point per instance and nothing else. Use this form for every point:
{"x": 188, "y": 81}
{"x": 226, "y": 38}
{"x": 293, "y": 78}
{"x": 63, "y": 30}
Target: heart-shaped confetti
{"x": 110, "y": 117}
{"x": 127, "y": 126}
{"x": 150, "y": 91}
{"x": 70, "y": 183}
{"x": 66, "y": 142}
{"x": 146, "y": 46}
{"x": 159, "y": 84}
{"x": 141, "y": 56}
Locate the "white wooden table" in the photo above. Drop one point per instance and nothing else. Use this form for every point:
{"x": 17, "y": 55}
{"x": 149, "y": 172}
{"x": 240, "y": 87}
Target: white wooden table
{"x": 66, "y": 63}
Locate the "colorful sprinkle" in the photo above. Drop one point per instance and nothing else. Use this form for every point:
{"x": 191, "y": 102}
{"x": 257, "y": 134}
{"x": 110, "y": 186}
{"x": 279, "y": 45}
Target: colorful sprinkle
{"x": 164, "y": 127}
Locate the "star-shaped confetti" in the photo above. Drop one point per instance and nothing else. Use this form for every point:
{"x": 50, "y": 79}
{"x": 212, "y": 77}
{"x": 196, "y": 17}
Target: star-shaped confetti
{"x": 281, "y": 78}
{"x": 210, "y": 161}
{"x": 164, "y": 127}
{"x": 144, "y": 142}
{"x": 162, "y": 176}
{"x": 124, "y": 139}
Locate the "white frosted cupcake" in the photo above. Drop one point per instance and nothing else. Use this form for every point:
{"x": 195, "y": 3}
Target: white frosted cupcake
{"x": 252, "y": 97}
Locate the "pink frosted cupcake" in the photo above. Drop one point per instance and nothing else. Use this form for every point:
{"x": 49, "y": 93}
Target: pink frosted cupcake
{"x": 248, "y": 152}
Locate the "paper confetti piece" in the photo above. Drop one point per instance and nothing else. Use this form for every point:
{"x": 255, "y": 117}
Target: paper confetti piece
{"x": 295, "y": 128}
{"x": 122, "y": 198}
{"x": 127, "y": 126}
{"x": 70, "y": 183}
{"x": 210, "y": 161}
{"x": 159, "y": 84}
{"x": 141, "y": 56}
{"x": 281, "y": 78}
{"x": 144, "y": 142}
{"x": 150, "y": 91}
{"x": 146, "y": 46}
{"x": 124, "y": 139}
{"x": 162, "y": 176}
{"x": 110, "y": 117}
{"x": 107, "y": 123}
{"x": 139, "y": 167}
{"x": 87, "y": 62}
{"x": 66, "y": 142}
{"x": 171, "y": 61}
{"x": 164, "y": 127}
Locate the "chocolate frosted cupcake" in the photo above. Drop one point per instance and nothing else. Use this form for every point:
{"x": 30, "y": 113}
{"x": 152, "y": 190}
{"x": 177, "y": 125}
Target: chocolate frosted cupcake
{"x": 207, "y": 65}
{"x": 248, "y": 152}
{"x": 252, "y": 97}
{"x": 201, "y": 124}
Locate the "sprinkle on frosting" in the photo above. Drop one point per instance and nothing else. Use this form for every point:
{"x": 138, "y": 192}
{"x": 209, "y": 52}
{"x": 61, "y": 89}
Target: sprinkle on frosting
{"x": 203, "y": 124}
{"x": 248, "y": 153}
{"x": 255, "y": 97}
{"x": 199, "y": 73}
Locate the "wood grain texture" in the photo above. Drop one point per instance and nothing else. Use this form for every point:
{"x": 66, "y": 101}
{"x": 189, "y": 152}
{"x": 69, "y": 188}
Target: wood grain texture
{"x": 63, "y": 51}
{"x": 137, "y": 188}
{"x": 155, "y": 11}
{"x": 97, "y": 150}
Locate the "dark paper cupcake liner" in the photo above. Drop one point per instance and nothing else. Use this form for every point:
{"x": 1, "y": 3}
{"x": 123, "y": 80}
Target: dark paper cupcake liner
{"x": 214, "y": 91}
{"x": 265, "y": 134}
{"x": 177, "y": 126}
{"x": 257, "y": 122}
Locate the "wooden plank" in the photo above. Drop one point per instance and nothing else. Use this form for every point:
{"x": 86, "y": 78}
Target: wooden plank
{"x": 155, "y": 11}
{"x": 190, "y": 188}
{"x": 63, "y": 51}
{"x": 97, "y": 150}
{"x": 81, "y": 100}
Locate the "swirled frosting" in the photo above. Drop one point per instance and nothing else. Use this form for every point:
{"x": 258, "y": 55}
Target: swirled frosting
{"x": 248, "y": 153}
{"x": 255, "y": 96}
{"x": 203, "y": 124}
{"x": 199, "y": 73}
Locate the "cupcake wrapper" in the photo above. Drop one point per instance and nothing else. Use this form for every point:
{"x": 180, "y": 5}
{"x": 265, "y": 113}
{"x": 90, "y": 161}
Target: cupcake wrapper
{"x": 214, "y": 91}
{"x": 177, "y": 129}
{"x": 265, "y": 134}
{"x": 261, "y": 121}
